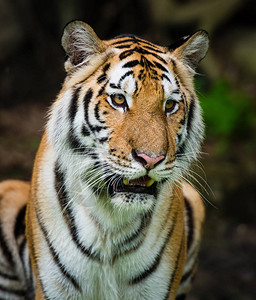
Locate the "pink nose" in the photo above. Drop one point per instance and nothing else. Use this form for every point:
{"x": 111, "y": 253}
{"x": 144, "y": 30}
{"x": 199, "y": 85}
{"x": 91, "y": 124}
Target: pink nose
{"x": 147, "y": 161}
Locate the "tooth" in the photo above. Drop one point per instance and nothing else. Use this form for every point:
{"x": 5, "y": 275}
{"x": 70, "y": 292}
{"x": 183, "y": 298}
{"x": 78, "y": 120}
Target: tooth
{"x": 150, "y": 182}
{"x": 126, "y": 181}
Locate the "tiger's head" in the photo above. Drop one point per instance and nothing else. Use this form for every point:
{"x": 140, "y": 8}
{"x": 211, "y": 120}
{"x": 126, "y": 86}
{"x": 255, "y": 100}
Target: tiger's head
{"x": 127, "y": 119}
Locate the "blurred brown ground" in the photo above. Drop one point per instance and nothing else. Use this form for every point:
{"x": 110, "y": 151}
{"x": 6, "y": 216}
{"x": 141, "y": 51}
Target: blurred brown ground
{"x": 31, "y": 64}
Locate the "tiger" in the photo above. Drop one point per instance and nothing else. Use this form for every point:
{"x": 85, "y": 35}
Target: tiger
{"x": 109, "y": 213}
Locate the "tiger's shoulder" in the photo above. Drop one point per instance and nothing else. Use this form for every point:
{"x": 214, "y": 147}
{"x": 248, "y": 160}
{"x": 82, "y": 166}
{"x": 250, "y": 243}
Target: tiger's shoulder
{"x": 16, "y": 277}
{"x": 13, "y": 195}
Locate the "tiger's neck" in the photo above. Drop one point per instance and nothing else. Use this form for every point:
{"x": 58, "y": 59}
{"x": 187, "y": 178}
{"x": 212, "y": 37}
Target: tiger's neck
{"x": 109, "y": 232}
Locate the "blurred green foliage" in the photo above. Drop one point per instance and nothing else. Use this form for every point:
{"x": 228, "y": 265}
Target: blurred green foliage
{"x": 228, "y": 112}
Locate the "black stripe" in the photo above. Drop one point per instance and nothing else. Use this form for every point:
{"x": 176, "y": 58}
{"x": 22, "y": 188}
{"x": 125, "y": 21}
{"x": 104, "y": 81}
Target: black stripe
{"x": 146, "y": 52}
{"x": 133, "y": 39}
{"x": 183, "y": 121}
{"x": 106, "y": 67}
{"x": 189, "y": 223}
{"x": 94, "y": 155}
{"x": 8, "y": 276}
{"x": 142, "y": 51}
{"x": 75, "y": 144}
{"x": 130, "y": 38}
{"x": 189, "y": 272}
{"x": 136, "y": 88}
{"x": 125, "y": 54}
{"x": 148, "y": 271}
{"x": 130, "y": 238}
{"x": 20, "y": 222}
{"x": 179, "y": 137}
{"x": 123, "y": 46}
{"x": 144, "y": 62}
{"x": 173, "y": 62}
{"x": 161, "y": 67}
{"x": 102, "y": 89}
{"x": 186, "y": 275}
{"x": 166, "y": 77}
{"x": 101, "y": 78}
{"x": 183, "y": 96}
{"x": 55, "y": 255}
{"x": 85, "y": 131}
{"x": 191, "y": 112}
{"x": 146, "y": 42}
{"x": 153, "y": 49}
{"x": 97, "y": 128}
{"x": 123, "y": 77}
{"x": 4, "y": 246}
{"x": 159, "y": 58}
{"x": 87, "y": 99}
{"x": 96, "y": 112}
{"x": 181, "y": 149}
{"x": 17, "y": 292}
{"x": 175, "y": 269}
{"x": 131, "y": 64}
{"x": 30, "y": 294}
{"x": 103, "y": 140}
{"x": 122, "y": 252}
{"x": 124, "y": 41}
{"x": 73, "y": 105}
{"x": 65, "y": 206}
{"x": 190, "y": 117}
{"x": 114, "y": 86}
{"x": 177, "y": 81}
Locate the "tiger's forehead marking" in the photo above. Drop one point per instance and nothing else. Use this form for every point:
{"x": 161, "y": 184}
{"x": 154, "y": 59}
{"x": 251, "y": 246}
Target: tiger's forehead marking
{"x": 135, "y": 66}
{"x": 119, "y": 78}
{"x": 128, "y": 40}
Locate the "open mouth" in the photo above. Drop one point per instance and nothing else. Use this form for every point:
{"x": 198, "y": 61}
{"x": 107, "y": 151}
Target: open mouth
{"x": 141, "y": 185}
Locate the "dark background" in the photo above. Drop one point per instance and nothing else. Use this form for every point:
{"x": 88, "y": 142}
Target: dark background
{"x": 31, "y": 65}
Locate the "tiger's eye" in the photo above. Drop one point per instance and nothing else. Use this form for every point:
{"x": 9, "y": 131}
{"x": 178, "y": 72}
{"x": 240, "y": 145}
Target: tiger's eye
{"x": 118, "y": 99}
{"x": 169, "y": 105}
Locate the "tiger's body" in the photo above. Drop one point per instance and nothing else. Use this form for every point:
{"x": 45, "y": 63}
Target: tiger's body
{"x": 108, "y": 216}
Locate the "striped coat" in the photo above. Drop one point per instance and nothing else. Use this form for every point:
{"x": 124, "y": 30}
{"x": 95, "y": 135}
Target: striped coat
{"x": 109, "y": 214}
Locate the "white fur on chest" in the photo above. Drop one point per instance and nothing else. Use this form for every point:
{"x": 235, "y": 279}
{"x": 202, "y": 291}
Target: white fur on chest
{"x": 108, "y": 278}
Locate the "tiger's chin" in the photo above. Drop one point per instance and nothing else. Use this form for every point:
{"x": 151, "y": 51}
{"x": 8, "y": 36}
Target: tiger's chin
{"x": 133, "y": 202}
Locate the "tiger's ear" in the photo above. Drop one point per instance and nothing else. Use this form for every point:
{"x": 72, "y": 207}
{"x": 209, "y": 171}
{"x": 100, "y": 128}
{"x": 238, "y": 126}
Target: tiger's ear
{"x": 191, "y": 49}
{"x": 80, "y": 43}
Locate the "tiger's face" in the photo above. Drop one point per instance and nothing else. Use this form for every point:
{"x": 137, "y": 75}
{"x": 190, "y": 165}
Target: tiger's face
{"x": 134, "y": 122}
{"x": 139, "y": 113}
